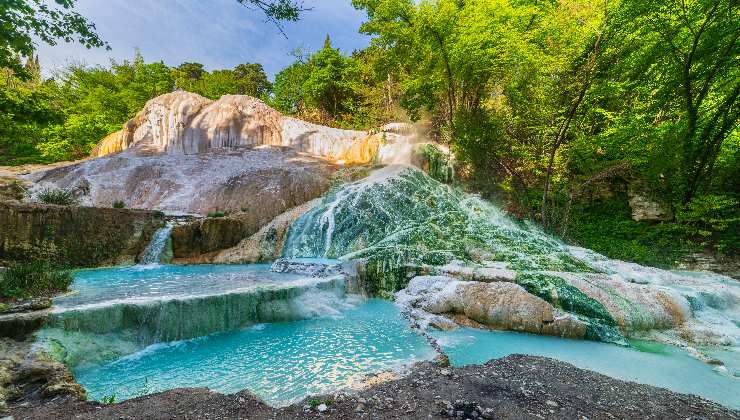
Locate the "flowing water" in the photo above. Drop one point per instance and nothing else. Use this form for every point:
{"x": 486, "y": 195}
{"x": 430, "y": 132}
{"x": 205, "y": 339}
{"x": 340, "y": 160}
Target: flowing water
{"x": 645, "y": 362}
{"x": 155, "y": 249}
{"x": 132, "y": 331}
{"x": 118, "y": 311}
{"x": 152, "y": 327}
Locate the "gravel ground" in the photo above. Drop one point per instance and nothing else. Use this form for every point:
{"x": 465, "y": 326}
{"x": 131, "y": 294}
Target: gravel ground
{"x": 514, "y": 387}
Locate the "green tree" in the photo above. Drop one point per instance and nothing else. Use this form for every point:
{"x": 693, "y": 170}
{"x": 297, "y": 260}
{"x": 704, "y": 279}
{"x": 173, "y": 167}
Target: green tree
{"x": 682, "y": 59}
{"x": 22, "y": 20}
{"x": 251, "y": 80}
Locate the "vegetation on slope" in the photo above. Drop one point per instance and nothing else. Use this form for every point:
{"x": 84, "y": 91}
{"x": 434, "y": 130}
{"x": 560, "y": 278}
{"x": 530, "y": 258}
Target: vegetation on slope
{"x": 550, "y": 108}
{"x": 38, "y": 278}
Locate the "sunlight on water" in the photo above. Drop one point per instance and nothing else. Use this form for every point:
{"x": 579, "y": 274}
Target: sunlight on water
{"x": 647, "y": 362}
{"x": 279, "y": 362}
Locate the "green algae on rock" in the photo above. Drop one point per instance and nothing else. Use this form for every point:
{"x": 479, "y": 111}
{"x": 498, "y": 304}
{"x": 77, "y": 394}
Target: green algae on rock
{"x": 402, "y": 224}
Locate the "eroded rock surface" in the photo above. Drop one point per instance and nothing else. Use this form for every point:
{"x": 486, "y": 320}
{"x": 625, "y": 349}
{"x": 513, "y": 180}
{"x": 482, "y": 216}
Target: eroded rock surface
{"x": 263, "y": 181}
{"x": 74, "y": 236}
{"x": 498, "y": 305}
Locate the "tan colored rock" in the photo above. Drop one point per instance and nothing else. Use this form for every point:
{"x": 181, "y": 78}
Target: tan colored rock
{"x": 112, "y": 143}
{"x": 267, "y": 243}
{"x": 497, "y": 305}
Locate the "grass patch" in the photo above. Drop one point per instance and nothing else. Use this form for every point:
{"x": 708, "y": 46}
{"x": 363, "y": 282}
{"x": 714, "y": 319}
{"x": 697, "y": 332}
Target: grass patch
{"x": 38, "y": 278}
{"x": 57, "y": 196}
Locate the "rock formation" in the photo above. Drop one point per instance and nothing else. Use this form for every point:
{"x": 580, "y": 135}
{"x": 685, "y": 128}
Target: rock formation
{"x": 494, "y": 272}
{"x": 74, "y": 236}
{"x": 186, "y": 123}
{"x": 264, "y": 181}
{"x": 186, "y": 153}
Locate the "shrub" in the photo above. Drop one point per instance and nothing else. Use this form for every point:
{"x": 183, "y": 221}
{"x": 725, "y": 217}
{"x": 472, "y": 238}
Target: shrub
{"x": 118, "y": 204}
{"x": 37, "y": 278}
{"x": 216, "y": 214}
{"x": 57, "y": 196}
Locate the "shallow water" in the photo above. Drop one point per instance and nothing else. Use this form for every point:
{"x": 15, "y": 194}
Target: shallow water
{"x": 279, "y": 362}
{"x": 152, "y": 282}
{"x": 646, "y": 362}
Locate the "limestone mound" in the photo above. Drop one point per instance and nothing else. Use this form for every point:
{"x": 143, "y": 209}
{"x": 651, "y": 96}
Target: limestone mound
{"x": 186, "y": 123}
{"x": 262, "y": 181}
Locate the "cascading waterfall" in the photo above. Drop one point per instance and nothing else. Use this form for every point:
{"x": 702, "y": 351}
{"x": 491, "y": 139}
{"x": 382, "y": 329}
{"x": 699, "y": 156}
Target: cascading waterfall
{"x": 141, "y": 306}
{"x": 402, "y": 222}
{"x": 154, "y": 250}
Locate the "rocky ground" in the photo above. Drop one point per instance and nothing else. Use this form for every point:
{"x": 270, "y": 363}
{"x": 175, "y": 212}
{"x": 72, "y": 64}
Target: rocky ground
{"x": 515, "y": 387}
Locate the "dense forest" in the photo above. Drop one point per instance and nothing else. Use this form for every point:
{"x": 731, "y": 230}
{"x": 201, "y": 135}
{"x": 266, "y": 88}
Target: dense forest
{"x": 562, "y": 111}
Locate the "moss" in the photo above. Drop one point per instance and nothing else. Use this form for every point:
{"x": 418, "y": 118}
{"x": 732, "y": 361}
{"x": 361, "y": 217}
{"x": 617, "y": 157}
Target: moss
{"x": 564, "y": 296}
{"x": 74, "y": 236}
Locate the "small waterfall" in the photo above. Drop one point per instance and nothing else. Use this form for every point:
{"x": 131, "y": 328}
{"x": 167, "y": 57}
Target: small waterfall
{"x": 75, "y": 335}
{"x": 153, "y": 252}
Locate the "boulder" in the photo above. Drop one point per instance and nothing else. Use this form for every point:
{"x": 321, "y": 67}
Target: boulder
{"x": 498, "y": 305}
{"x": 645, "y": 209}
{"x": 262, "y": 182}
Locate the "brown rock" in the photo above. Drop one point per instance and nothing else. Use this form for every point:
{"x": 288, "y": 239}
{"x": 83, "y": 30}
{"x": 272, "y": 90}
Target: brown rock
{"x": 74, "y": 236}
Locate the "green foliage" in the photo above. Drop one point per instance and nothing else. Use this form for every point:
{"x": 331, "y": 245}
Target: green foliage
{"x": 118, "y": 204}
{"x": 607, "y": 228}
{"x": 24, "y": 21}
{"x": 712, "y": 220}
{"x": 57, "y": 196}
{"x": 216, "y": 214}
{"x": 329, "y": 88}
{"x": 38, "y": 278}
{"x": 245, "y": 79}
{"x": 108, "y": 399}
{"x": 440, "y": 166}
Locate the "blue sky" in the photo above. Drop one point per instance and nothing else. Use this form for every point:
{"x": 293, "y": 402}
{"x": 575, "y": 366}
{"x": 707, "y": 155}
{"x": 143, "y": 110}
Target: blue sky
{"x": 217, "y": 33}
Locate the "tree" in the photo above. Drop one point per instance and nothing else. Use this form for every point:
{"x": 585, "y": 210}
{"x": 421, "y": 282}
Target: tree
{"x": 252, "y": 80}
{"x": 326, "y": 87}
{"x": 188, "y": 76}
{"x": 21, "y": 20}
{"x": 682, "y": 57}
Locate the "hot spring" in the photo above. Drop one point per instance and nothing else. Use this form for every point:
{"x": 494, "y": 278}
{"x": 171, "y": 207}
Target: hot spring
{"x": 127, "y": 332}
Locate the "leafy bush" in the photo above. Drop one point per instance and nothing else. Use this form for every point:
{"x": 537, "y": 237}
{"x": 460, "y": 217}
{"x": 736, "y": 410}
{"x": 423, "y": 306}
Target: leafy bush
{"x": 37, "y": 278}
{"x": 118, "y": 204}
{"x": 712, "y": 221}
{"x": 216, "y": 214}
{"x": 57, "y": 196}
{"x": 607, "y": 228}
